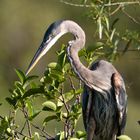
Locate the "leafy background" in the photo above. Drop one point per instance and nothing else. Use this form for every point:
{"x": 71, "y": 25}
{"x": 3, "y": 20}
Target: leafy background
{"x": 22, "y": 26}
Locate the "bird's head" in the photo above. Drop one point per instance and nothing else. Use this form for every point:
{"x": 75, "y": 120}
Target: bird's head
{"x": 53, "y": 33}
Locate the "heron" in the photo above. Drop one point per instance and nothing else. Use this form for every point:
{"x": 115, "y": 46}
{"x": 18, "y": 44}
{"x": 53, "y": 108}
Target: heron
{"x": 104, "y": 98}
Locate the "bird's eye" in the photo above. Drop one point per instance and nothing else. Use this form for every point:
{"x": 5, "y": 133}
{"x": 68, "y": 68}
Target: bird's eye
{"x": 52, "y": 35}
{"x": 49, "y": 38}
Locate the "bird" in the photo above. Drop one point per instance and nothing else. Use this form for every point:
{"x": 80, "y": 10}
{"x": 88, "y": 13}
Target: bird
{"x": 104, "y": 98}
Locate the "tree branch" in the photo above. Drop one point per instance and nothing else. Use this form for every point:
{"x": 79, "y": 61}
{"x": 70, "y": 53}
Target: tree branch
{"x": 23, "y": 127}
{"x": 63, "y": 100}
{"x": 129, "y": 16}
{"x": 116, "y": 10}
{"x": 28, "y": 123}
{"x": 43, "y": 132}
{"x": 21, "y": 134}
{"x": 106, "y": 5}
{"x": 71, "y": 83}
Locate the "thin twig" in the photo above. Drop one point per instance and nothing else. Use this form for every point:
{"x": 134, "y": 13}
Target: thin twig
{"x": 66, "y": 123}
{"x": 72, "y": 84}
{"x": 116, "y": 10}
{"x": 76, "y": 5}
{"x": 126, "y": 47}
{"x": 130, "y": 50}
{"x": 122, "y": 3}
{"x": 65, "y": 129}
{"x": 42, "y": 131}
{"x": 23, "y": 127}
{"x": 105, "y": 5}
{"x": 133, "y": 19}
{"x": 22, "y": 134}
{"x": 16, "y": 136}
{"x": 63, "y": 100}
{"x": 28, "y": 122}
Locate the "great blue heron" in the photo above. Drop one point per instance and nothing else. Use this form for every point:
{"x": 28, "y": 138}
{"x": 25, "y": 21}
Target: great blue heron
{"x": 104, "y": 97}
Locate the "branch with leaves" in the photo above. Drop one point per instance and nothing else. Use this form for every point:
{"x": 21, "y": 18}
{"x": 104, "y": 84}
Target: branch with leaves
{"x": 101, "y": 3}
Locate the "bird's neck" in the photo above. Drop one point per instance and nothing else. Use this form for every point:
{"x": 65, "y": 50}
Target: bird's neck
{"x": 76, "y": 63}
{"x": 89, "y": 77}
{"x": 82, "y": 72}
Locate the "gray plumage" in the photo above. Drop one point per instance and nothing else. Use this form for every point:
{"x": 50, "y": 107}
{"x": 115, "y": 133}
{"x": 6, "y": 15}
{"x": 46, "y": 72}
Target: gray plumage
{"x": 101, "y": 113}
{"x": 104, "y": 97}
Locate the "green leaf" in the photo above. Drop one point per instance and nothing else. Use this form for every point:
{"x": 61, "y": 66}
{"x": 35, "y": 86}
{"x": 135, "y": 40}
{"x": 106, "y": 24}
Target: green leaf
{"x": 29, "y": 107}
{"x": 28, "y": 80}
{"x": 11, "y": 101}
{"x": 21, "y": 75}
{"x": 66, "y": 67}
{"x": 60, "y": 103}
{"x": 59, "y": 115}
{"x": 25, "y": 138}
{"x": 100, "y": 27}
{"x": 49, "y": 106}
{"x": 61, "y": 58}
{"x": 112, "y": 34}
{"x": 124, "y": 137}
{"x": 57, "y": 76}
{"x": 9, "y": 132}
{"x": 79, "y": 91}
{"x": 35, "y": 113}
{"x": 82, "y": 52}
{"x": 60, "y": 136}
{"x": 107, "y": 23}
{"x": 32, "y": 77}
{"x": 54, "y": 65}
{"x": 46, "y": 79}
{"x": 76, "y": 110}
{"x": 96, "y": 46}
{"x": 19, "y": 87}
{"x": 32, "y": 92}
{"x": 74, "y": 139}
{"x": 49, "y": 118}
{"x": 66, "y": 97}
{"x": 64, "y": 115}
{"x": 80, "y": 134}
{"x": 36, "y": 136}
{"x": 4, "y": 124}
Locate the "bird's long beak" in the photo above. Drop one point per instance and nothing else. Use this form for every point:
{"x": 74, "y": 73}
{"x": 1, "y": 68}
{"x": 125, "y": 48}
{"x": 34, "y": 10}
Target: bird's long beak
{"x": 43, "y": 49}
{"x": 36, "y": 57}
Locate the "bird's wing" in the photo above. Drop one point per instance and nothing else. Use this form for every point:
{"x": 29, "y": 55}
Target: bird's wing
{"x": 121, "y": 100}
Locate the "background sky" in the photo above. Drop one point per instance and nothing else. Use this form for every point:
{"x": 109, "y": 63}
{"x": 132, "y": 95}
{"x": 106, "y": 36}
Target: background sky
{"x": 22, "y": 26}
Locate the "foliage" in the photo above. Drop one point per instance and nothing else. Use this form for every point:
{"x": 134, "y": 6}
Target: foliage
{"x": 124, "y": 137}
{"x": 62, "y": 104}
{"x": 102, "y": 13}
